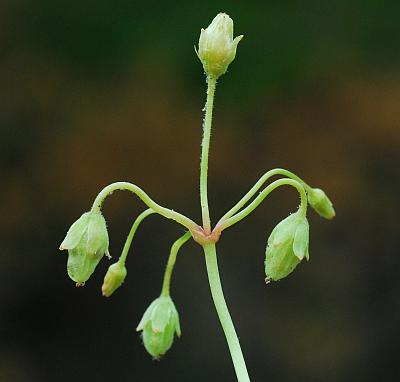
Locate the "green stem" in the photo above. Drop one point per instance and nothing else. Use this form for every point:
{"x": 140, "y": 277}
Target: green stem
{"x": 205, "y": 148}
{"x": 139, "y": 219}
{"x": 171, "y": 262}
{"x": 209, "y": 249}
{"x": 254, "y": 204}
{"x": 166, "y": 212}
{"x": 223, "y": 313}
{"x": 257, "y": 186}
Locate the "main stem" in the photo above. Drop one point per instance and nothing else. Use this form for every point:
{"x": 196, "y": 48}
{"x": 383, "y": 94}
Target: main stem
{"x": 223, "y": 313}
{"x": 205, "y": 148}
{"x": 209, "y": 249}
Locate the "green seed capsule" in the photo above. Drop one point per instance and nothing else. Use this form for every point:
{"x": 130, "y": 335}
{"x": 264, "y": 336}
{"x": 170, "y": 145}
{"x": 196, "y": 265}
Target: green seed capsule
{"x": 86, "y": 242}
{"x": 287, "y": 246}
{"x": 159, "y": 324}
{"x": 113, "y": 279}
{"x": 320, "y": 202}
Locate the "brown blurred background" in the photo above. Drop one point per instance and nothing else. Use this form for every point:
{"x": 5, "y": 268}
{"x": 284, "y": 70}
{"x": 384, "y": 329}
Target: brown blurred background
{"x": 98, "y": 91}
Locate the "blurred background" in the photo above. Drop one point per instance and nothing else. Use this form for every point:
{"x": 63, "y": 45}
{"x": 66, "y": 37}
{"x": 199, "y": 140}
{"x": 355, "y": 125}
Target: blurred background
{"x": 98, "y": 91}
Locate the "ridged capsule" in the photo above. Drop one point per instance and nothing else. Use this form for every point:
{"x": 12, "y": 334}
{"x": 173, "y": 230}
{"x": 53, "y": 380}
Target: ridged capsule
{"x": 87, "y": 242}
{"x": 287, "y": 246}
{"x": 159, "y": 325}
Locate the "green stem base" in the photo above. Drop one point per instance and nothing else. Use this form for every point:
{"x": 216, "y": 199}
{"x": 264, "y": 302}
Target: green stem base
{"x": 223, "y": 313}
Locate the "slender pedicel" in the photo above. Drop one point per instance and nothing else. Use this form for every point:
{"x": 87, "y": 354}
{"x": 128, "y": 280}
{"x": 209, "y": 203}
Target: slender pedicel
{"x": 166, "y": 212}
{"x": 256, "y": 202}
{"x": 205, "y": 148}
{"x": 171, "y": 262}
{"x": 132, "y": 232}
{"x": 269, "y": 174}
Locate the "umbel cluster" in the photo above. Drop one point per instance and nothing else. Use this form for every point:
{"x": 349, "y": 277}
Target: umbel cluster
{"x": 87, "y": 240}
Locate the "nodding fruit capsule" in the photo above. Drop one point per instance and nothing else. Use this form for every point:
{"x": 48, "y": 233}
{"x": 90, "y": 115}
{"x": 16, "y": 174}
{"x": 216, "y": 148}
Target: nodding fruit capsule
{"x": 287, "y": 246}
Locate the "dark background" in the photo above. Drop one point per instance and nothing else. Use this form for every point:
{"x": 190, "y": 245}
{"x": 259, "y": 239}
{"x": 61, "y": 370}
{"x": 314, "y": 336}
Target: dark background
{"x": 98, "y": 91}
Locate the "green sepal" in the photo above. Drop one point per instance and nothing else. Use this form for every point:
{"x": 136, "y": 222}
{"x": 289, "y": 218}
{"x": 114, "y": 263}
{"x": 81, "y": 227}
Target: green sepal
{"x": 76, "y": 232}
{"x": 146, "y": 316}
{"x": 161, "y": 314}
{"x": 177, "y": 324}
{"x": 284, "y": 230}
{"x": 97, "y": 234}
{"x": 301, "y": 238}
{"x": 80, "y": 265}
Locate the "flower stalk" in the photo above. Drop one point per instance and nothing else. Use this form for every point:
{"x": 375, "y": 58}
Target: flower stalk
{"x": 229, "y": 221}
{"x": 205, "y": 149}
{"x": 210, "y": 250}
{"x": 166, "y": 212}
{"x": 132, "y": 232}
{"x": 223, "y": 313}
{"x": 171, "y": 262}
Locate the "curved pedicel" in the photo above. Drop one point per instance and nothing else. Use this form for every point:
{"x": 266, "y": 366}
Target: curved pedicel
{"x": 166, "y": 212}
{"x": 223, "y": 224}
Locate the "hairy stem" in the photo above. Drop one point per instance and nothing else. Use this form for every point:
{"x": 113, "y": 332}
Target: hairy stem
{"x": 205, "y": 148}
{"x": 166, "y": 212}
{"x": 223, "y": 313}
{"x": 139, "y": 219}
{"x": 223, "y": 224}
{"x": 171, "y": 262}
{"x": 209, "y": 249}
